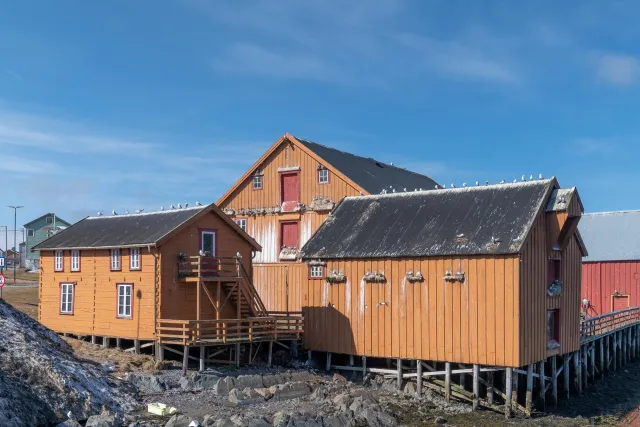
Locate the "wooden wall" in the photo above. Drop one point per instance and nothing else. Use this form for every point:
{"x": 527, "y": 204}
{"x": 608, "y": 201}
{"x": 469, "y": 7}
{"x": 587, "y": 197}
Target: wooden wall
{"x": 601, "y": 279}
{"x": 178, "y": 298}
{"x": 95, "y": 295}
{"x": 281, "y": 285}
{"x": 534, "y": 301}
{"x": 471, "y": 322}
{"x": 265, "y": 228}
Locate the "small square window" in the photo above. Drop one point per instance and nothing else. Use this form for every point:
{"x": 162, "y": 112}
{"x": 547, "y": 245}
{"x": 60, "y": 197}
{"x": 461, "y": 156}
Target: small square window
{"x": 242, "y": 223}
{"x": 257, "y": 180}
{"x": 316, "y": 271}
{"x": 323, "y": 176}
{"x": 49, "y": 220}
{"x": 553, "y": 326}
{"x": 31, "y": 232}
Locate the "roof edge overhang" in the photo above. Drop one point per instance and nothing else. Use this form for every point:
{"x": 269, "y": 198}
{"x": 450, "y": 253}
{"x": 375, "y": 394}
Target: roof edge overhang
{"x": 422, "y": 256}
{"x": 86, "y": 248}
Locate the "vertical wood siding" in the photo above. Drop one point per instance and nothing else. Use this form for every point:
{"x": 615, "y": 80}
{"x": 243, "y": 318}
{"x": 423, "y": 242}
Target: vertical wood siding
{"x": 471, "y": 322}
{"x": 274, "y": 282}
{"x": 601, "y": 279}
{"x": 534, "y": 301}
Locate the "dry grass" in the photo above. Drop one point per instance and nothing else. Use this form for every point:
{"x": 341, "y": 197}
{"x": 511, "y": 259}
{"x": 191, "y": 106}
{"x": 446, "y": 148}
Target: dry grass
{"x": 22, "y": 276}
{"x": 24, "y": 299}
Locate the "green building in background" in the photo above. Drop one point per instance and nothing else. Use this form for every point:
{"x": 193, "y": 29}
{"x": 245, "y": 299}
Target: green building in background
{"x": 36, "y": 231}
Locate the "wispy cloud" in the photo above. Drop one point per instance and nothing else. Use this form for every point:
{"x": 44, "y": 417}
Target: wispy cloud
{"x": 24, "y": 165}
{"x": 618, "y": 69}
{"x": 588, "y": 146}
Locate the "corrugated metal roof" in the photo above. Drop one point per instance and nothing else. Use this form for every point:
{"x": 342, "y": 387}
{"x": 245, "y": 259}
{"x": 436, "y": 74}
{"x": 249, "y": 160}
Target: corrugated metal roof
{"x": 611, "y": 236}
{"x": 491, "y": 219}
{"x": 119, "y": 230}
{"x": 368, "y": 173}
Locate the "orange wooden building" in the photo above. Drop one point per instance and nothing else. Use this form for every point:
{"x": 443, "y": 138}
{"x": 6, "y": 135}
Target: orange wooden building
{"x": 288, "y": 193}
{"x": 181, "y": 276}
{"x": 486, "y": 275}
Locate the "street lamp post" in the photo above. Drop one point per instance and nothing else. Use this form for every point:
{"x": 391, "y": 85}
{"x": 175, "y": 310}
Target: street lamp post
{"x": 15, "y": 233}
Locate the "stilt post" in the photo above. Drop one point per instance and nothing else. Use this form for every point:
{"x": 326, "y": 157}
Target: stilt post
{"x": 566, "y": 375}
{"x": 364, "y": 366}
{"x": 160, "y": 352}
{"x": 269, "y": 358}
{"x": 94, "y": 339}
{"x": 508, "y": 384}
{"x": 601, "y": 354}
{"x": 119, "y": 343}
{"x": 447, "y": 382}
{"x": 476, "y": 386}
{"x": 237, "y": 354}
{"x": 490, "y": 393}
{"x": 541, "y": 383}
{"x": 577, "y": 376}
{"x": 592, "y": 364}
{"x": 328, "y": 364}
{"x": 203, "y": 356}
{"x": 554, "y": 381}
{"x": 399, "y": 373}
{"x": 136, "y": 345}
{"x": 185, "y": 360}
{"x": 105, "y": 342}
{"x": 351, "y": 360}
{"x": 585, "y": 369}
{"x": 419, "y": 378}
{"x": 514, "y": 392}
{"x": 615, "y": 352}
{"x": 529, "y": 395}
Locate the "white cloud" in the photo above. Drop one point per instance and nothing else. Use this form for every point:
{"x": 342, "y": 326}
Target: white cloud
{"x": 23, "y": 165}
{"x": 618, "y": 69}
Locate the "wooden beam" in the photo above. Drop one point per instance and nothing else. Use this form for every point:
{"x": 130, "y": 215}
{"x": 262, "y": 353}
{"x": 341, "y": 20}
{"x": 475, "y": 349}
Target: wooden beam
{"x": 566, "y": 375}
{"x": 419, "y": 379}
{"x": 119, "y": 343}
{"x": 476, "y": 386}
{"x": 447, "y": 382}
{"x": 237, "y": 361}
{"x": 328, "y": 365}
{"x": 514, "y": 393}
{"x": 601, "y": 353}
{"x": 185, "y": 360}
{"x": 554, "y": 381}
{"x": 490, "y": 388}
{"x": 270, "y": 353}
{"x": 577, "y": 376}
{"x": 585, "y": 369}
{"x": 592, "y": 364}
{"x": 364, "y": 366}
{"x": 508, "y": 383}
{"x": 541, "y": 384}
{"x": 399, "y": 374}
{"x": 529, "y": 395}
{"x": 206, "y": 292}
{"x": 105, "y": 342}
{"x": 94, "y": 339}
{"x": 615, "y": 352}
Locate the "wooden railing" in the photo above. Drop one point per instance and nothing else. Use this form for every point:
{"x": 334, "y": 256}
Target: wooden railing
{"x": 604, "y": 323}
{"x": 204, "y": 267}
{"x": 251, "y": 294}
{"x": 253, "y": 329}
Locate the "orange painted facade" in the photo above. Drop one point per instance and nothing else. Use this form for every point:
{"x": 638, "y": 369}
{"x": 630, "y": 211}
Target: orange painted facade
{"x": 156, "y": 292}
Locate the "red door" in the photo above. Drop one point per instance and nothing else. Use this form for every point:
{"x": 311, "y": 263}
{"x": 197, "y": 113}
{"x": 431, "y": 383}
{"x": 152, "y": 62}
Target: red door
{"x": 289, "y": 234}
{"x": 289, "y": 189}
{"x": 620, "y": 303}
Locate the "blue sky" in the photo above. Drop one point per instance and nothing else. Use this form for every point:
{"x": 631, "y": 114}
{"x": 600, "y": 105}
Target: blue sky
{"x": 137, "y": 104}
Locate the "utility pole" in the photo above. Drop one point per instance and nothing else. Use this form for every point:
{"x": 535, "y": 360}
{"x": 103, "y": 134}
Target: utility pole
{"x": 15, "y": 234}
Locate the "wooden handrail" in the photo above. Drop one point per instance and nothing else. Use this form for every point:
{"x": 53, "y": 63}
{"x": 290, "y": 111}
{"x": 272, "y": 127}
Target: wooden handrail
{"x": 608, "y": 322}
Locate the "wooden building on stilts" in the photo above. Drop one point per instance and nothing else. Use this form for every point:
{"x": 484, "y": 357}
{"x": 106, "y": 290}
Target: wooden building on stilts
{"x": 478, "y": 285}
{"x": 173, "y": 280}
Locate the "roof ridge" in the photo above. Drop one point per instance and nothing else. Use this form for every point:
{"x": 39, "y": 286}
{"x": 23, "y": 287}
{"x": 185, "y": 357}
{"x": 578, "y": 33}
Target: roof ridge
{"x": 147, "y": 213}
{"x": 612, "y": 212}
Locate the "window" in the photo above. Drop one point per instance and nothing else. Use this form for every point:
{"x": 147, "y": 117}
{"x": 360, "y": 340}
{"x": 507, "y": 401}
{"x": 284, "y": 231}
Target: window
{"x": 134, "y": 259}
{"x": 242, "y": 223}
{"x": 289, "y": 234}
{"x": 553, "y": 326}
{"x": 115, "y": 259}
{"x": 553, "y": 270}
{"x": 316, "y": 272}
{"x": 58, "y": 261}
{"x": 257, "y": 180}
{"x": 49, "y": 220}
{"x": 75, "y": 260}
{"x": 66, "y": 298}
{"x": 323, "y": 176}
{"x": 31, "y": 232}
{"x": 208, "y": 243}
{"x": 124, "y": 300}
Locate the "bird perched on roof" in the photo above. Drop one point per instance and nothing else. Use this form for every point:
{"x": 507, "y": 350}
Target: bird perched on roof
{"x": 523, "y": 178}
{"x": 486, "y": 183}
{"x": 179, "y": 206}
{"x": 201, "y": 252}
{"x": 139, "y": 210}
{"x": 99, "y": 213}
{"x": 114, "y": 212}
{"x": 198, "y": 203}
{"x": 161, "y": 208}
{"x": 531, "y": 178}
{"x": 502, "y": 182}
{"x": 126, "y": 211}
{"x": 186, "y": 205}
{"x": 436, "y": 187}
{"x": 404, "y": 189}
{"x": 515, "y": 180}
{"x": 477, "y": 183}
{"x": 464, "y": 184}
{"x": 172, "y": 207}
{"x": 453, "y": 185}
{"x": 540, "y": 176}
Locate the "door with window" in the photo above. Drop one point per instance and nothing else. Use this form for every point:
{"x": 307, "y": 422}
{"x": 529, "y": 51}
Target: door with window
{"x": 208, "y": 243}
{"x": 289, "y": 190}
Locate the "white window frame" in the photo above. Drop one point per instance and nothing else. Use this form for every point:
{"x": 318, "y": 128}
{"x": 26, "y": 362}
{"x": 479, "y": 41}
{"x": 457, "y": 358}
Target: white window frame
{"x": 75, "y": 260}
{"x": 242, "y": 223}
{"x": 316, "y": 271}
{"x": 213, "y": 251}
{"x": 58, "y": 261}
{"x": 134, "y": 259}
{"x": 257, "y": 182}
{"x": 116, "y": 262}
{"x": 121, "y": 309}
{"x": 66, "y": 298}
{"x": 321, "y": 179}
{"x": 31, "y": 232}
{"x": 49, "y": 220}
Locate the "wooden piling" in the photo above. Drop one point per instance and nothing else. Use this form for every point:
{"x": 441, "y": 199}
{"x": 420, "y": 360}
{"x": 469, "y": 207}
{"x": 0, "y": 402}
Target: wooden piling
{"x": 624, "y": 347}
{"x": 237, "y": 361}
{"x": 119, "y": 343}
{"x": 447, "y": 382}
{"x": 529, "y": 395}
{"x": 601, "y": 351}
{"x": 541, "y": 384}
{"x": 364, "y": 366}
{"x": 351, "y": 360}
{"x": 554, "y": 381}
{"x": 592, "y": 364}
{"x": 136, "y": 346}
{"x": 584, "y": 369}
{"x": 203, "y": 355}
{"x": 270, "y": 356}
{"x": 607, "y": 361}
{"x": 615, "y": 352}
{"x": 419, "y": 378}
{"x": 577, "y": 375}
{"x": 476, "y": 386}
{"x": 105, "y": 342}
{"x": 490, "y": 393}
{"x": 399, "y": 374}
{"x": 514, "y": 392}
{"x": 328, "y": 364}
{"x": 566, "y": 375}
{"x": 160, "y": 352}
{"x": 94, "y": 339}
{"x": 185, "y": 360}
{"x": 508, "y": 413}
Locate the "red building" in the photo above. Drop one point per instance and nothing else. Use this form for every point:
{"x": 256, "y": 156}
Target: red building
{"x": 611, "y": 271}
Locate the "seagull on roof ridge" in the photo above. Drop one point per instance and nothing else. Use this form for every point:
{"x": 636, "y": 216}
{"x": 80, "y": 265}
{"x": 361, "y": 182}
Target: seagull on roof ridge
{"x": 179, "y": 206}
{"x": 198, "y": 203}
{"x": 99, "y": 213}
{"x": 540, "y": 176}
{"x": 172, "y": 207}
{"x": 114, "y": 212}
{"x": 161, "y": 208}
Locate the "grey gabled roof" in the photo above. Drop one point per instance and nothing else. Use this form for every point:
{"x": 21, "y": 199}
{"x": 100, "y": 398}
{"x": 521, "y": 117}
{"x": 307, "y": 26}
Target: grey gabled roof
{"x": 368, "y": 173}
{"x": 119, "y": 230}
{"x": 493, "y": 219}
{"x": 58, "y": 219}
{"x": 611, "y": 236}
